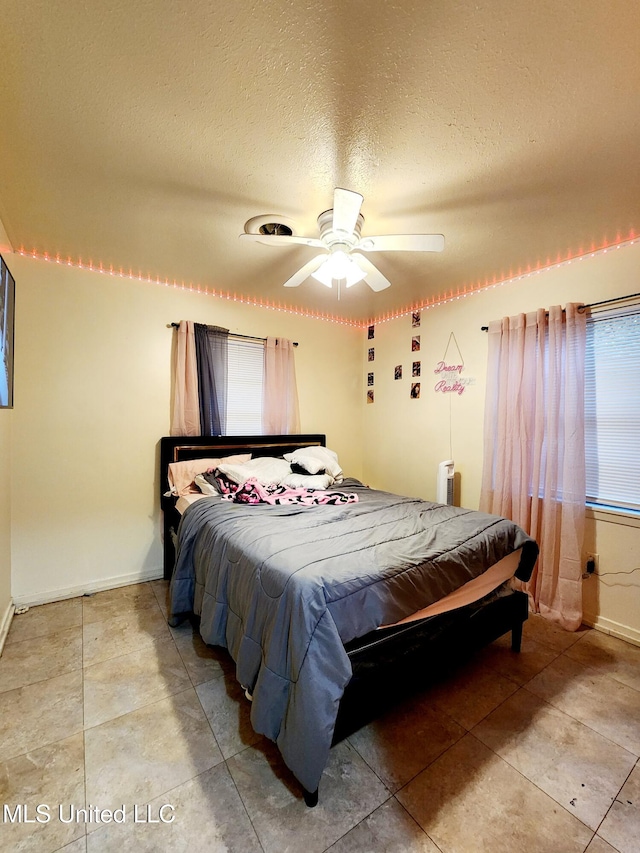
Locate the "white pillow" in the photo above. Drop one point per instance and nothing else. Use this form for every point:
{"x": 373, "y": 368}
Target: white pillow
{"x": 314, "y": 460}
{"x": 265, "y": 469}
{"x": 307, "y": 481}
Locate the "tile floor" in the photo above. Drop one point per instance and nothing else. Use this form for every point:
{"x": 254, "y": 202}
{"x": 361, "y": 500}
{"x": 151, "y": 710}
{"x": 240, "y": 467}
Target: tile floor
{"x": 102, "y": 705}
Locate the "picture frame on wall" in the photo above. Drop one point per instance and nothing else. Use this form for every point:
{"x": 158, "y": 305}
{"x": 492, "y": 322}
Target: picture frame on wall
{"x": 7, "y": 313}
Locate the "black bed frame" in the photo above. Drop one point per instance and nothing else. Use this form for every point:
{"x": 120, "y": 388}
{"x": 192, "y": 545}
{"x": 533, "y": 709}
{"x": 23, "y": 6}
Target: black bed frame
{"x": 384, "y": 662}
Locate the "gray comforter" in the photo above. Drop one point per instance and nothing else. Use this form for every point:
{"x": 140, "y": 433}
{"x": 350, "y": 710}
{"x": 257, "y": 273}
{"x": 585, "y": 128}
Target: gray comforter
{"x": 283, "y": 587}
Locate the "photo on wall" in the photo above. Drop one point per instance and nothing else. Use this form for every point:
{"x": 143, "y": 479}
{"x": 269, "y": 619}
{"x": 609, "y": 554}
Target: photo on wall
{"x": 415, "y": 343}
{"x": 371, "y": 330}
{"x": 7, "y": 309}
{"x": 415, "y": 370}
{"x": 370, "y": 395}
{"x": 397, "y": 371}
{"x": 415, "y": 390}
{"x": 415, "y": 319}
{"x": 369, "y": 378}
{"x": 371, "y": 354}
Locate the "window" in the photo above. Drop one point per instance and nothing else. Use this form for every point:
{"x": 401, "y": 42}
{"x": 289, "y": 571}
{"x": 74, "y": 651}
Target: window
{"x": 612, "y": 409}
{"x": 244, "y": 387}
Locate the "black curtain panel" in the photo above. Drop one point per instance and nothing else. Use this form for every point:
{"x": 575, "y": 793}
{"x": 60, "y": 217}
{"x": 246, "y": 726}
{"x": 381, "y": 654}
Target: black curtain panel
{"x": 212, "y": 361}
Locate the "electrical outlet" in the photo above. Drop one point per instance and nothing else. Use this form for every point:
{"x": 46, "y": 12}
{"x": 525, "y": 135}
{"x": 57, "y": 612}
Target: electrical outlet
{"x": 591, "y": 563}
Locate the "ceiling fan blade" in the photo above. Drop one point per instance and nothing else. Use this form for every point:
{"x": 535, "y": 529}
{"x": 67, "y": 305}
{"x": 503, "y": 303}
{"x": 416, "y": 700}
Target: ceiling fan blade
{"x": 374, "y": 279}
{"x": 346, "y": 207}
{"x": 402, "y": 243}
{"x": 282, "y": 240}
{"x": 305, "y": 271}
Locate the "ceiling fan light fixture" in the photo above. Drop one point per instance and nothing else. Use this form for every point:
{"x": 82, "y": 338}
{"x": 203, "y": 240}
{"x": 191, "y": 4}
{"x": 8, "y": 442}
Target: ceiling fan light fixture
{"x": 339, "y": 267}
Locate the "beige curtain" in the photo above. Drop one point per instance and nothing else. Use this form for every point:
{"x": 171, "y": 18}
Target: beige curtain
{"x": 186, "y": 407}
{"x": 534, "y": 460}
{"x": 280, "y": 411}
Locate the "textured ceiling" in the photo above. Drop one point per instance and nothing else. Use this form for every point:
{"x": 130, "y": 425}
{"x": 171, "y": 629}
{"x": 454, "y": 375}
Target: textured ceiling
{"x": 142, "y": 135}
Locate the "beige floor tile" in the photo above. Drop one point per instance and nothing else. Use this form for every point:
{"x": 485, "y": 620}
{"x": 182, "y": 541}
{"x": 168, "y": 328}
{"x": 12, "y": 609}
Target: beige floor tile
{"x": 579, "y": 768}
{"x": 470, "y": 800}
{"x": 40, "y": 658}
{"x": 79, "y": 846}
{"x": 349, "y": 791}
{"x": 161, "y": 591}
{"x": 599, "y": 846}
{"x": 610, "y": 656}
{"x": 123, "y": 634}
{"x": 549, "y": 634}
{"x": 404, "y": 741}
{"x": 122, "y": 684}
{"x": 389, "y": 829}
{"x": 471, "y": 693}
{"x": 519, "y": 666}
{"x": 571, "y": 752}
{"x": 114, "y": 603}
{"x": 50, "y": 777}
{"x": 40, "y": 714}
{"x": 208, "y": 815}
{"x": 203, "y": 662}
{"x": 136, "y": 757}
{"x": 606, "y": 705}
{"x": 45, "y": 619}
{"x": 621, "y": 827}
{"x": 229, "y": 714}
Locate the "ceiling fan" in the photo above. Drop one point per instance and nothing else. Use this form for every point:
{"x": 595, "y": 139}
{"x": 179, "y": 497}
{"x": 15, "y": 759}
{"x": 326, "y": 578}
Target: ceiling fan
{"x": 342, "y": 260}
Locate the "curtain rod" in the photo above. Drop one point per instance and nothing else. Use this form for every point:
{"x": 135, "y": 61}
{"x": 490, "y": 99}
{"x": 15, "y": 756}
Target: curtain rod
{"x": 231, "y": 334}
{"x": 609, "y": 301}
{"x": 592, "y": 305}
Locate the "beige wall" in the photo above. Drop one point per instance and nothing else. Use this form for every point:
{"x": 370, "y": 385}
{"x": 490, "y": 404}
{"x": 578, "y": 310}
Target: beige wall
{"x": 405, "y": 439}
{"x": 92, "y": 389}
{"x": 92, "y": 400}
{"x": 612, "y": 601}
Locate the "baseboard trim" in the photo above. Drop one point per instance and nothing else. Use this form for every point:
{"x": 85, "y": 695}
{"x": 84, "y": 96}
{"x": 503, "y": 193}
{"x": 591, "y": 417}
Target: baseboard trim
{"x": 615, "y": 629}
{"x": 5, "y": 623}
{"x": 607, "y": 626}
{"x": 88, "y": 588}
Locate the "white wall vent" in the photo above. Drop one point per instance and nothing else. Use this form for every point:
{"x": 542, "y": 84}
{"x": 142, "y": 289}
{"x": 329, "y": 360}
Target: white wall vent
{"x": 444, "y": 488}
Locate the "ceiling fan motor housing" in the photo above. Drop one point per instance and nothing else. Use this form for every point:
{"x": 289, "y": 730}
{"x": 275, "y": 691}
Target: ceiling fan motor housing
{"x": 338, "y": 240}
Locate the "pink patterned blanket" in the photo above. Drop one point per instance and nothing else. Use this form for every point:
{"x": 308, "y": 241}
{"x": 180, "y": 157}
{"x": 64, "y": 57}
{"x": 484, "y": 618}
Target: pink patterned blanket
{"x": 252, "y": 492}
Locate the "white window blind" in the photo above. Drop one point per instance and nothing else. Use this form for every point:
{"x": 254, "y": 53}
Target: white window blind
{"x": 612, "y": 409}
{"x": 244, "y": 387}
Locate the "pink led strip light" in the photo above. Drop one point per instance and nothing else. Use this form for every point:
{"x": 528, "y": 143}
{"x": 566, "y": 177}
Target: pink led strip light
{"x": 425, "y": 305}
{"x": 473, "y": 290}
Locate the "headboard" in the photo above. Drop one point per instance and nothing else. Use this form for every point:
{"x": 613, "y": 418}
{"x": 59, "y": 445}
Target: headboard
{"x": 175, "y": 448}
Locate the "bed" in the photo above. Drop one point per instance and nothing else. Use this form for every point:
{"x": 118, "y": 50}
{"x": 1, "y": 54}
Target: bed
{"x": 332, "y": 611}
